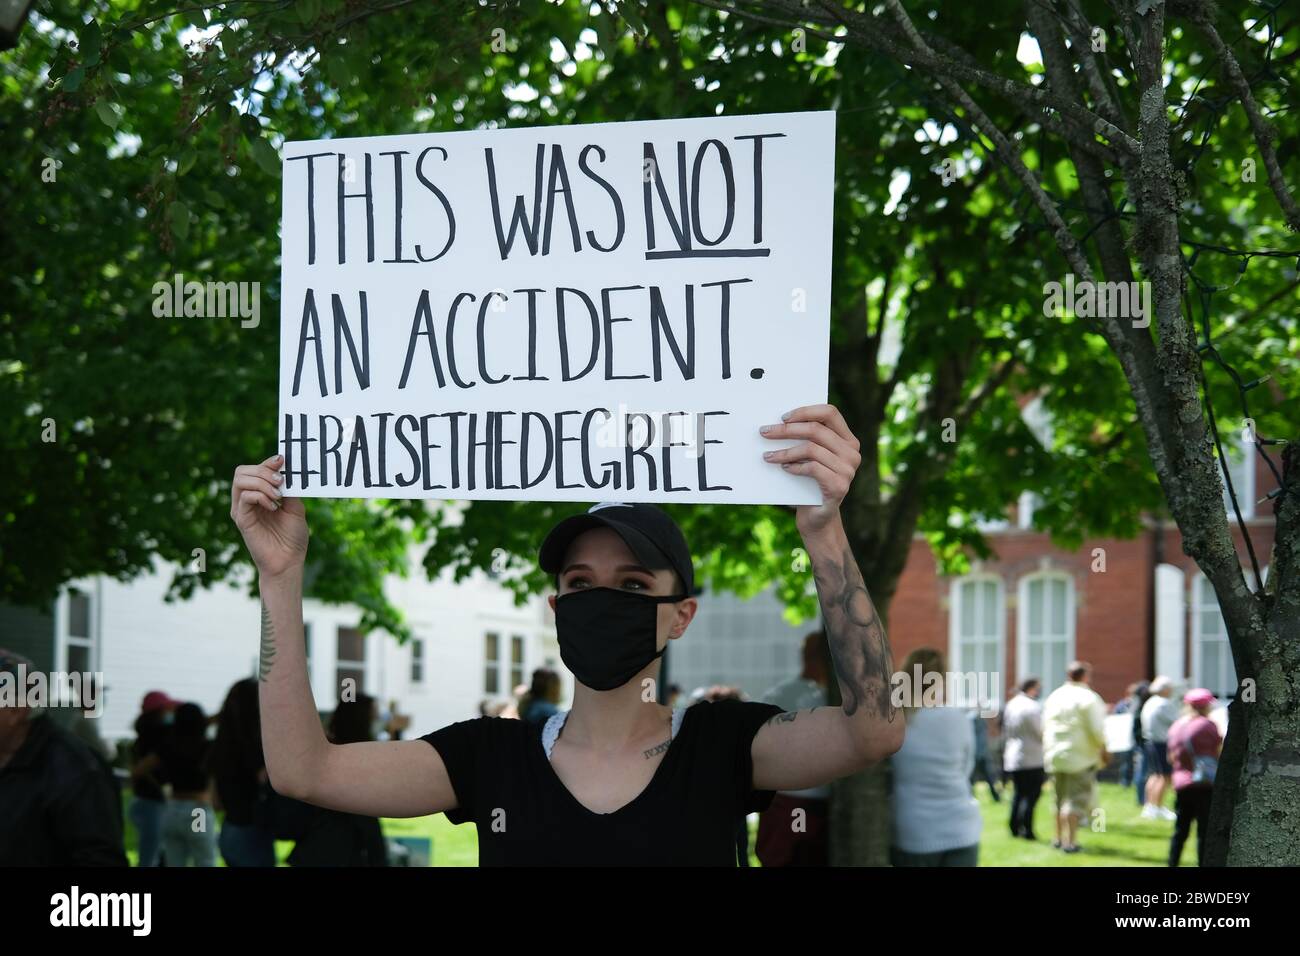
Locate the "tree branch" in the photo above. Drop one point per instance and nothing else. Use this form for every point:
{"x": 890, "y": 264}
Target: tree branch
{"x": 871, "y": 32}
{"x": 1265, "y": 134}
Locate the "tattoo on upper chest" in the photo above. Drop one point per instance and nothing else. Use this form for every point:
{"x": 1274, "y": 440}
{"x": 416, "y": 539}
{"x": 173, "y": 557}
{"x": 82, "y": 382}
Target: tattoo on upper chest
{"x": 268, "y": 645}
{"x": 657, "y": 749}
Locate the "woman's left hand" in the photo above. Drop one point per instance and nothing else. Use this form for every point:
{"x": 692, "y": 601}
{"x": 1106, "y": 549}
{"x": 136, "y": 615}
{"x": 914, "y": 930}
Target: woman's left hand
{"x": 829, "y": 453}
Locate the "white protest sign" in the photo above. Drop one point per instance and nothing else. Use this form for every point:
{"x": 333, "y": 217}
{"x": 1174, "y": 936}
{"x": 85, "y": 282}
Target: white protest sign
{"x": 567, "y": 313}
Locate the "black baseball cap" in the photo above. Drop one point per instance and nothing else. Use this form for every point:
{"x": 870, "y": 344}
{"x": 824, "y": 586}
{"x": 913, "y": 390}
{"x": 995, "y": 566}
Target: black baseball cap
{"x": 649, "y": 532}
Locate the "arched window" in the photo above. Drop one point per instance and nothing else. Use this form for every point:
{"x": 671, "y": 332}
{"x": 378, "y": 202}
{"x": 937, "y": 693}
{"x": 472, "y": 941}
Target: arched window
{"x": 1212, "y": 666}
{"x": 1045, "y": 627}
{"x": 977, "y": 629}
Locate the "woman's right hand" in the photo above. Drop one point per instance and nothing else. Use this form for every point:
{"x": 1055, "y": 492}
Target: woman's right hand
{"x": 274, "y": 527}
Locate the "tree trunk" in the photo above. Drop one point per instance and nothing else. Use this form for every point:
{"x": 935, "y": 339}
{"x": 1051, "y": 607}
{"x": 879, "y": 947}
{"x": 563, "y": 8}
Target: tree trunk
{"x": 1255, "y": 817}
{"x": 861, "y": 824}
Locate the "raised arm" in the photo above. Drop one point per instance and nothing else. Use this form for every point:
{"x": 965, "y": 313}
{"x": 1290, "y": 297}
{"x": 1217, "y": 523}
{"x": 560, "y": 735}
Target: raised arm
{"x": 801, "y": 749}
{"x": 402, "y": 778}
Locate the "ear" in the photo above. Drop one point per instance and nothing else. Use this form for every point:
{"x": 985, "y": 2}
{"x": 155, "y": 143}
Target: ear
{"x": 550, "y": 599}
{"x": 684, "y": 614}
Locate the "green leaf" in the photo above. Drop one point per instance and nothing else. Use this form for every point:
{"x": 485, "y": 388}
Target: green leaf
{"x": 178, "y": 215}
{"x": 339, "y": 71}
{"x": 118, "y": 58}
{"x": 109, "y": 113}
{"x": 72, "y": 82}
{"x": 185, "y": 162}
{"x": 90, "y": 40}
{"x": 250, "y": 127}
{"x": 265, "y": 156}
{"x": 630, "y": 13}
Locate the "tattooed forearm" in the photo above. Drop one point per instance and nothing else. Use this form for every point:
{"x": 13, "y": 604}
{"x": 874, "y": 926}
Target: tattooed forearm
{"x": 268, "y": 645}
{"x": 657, "y": 749}
{"x": 859, "y": 645}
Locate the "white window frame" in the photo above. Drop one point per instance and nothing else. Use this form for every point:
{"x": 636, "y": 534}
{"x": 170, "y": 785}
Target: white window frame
{"x": 362, "y": 665}
{"x": 955, "y": 662}
{"x": 1245, "y": 488}
{"x": 495, "y": 665}
{"x": 66, "y": 640}
{"x": 420, "y": 659}
{"x": 521, "y": 642}
{"x": 1197, "y": 607}
{"x": 1050, "y": 681}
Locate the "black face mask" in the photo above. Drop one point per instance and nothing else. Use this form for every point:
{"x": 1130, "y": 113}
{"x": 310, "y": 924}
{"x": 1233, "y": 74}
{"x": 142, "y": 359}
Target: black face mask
{"x": 607, "y": 635}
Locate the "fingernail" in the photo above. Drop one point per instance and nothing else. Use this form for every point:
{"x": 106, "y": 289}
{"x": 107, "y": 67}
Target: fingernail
{"x": 769, "y": 455}
{"x": 279, "y": 492}
{"x": 766, "y": 428}
{"x": 277, "y": 478}
{"x": 786, "y": 417}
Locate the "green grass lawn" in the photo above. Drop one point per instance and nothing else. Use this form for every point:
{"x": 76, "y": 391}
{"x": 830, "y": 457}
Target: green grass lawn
{"x": 1122, "y": 837}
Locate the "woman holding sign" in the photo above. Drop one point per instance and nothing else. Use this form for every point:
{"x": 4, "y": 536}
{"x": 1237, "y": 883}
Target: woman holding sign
{"x": 619, "y": 779}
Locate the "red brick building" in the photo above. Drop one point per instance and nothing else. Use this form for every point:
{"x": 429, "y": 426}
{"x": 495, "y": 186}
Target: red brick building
{"x": 1033, "y": 607}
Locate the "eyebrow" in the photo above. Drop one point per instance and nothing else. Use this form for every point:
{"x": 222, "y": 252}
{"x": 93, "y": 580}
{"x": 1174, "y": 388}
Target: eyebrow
{"x": 621, "y": 567}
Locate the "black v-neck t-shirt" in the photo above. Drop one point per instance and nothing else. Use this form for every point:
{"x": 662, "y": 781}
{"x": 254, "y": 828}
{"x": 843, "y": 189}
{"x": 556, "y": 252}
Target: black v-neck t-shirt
{"x": 687, "y": 815}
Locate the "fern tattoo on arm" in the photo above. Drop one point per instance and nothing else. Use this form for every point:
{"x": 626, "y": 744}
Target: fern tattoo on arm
{"x": 267, "y": 657}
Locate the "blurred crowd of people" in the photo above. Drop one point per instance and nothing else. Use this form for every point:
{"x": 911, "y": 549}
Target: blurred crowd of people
{"x": 947, "y": 752}
{"x": 186, "y": 770}
{"x": 62, "y": 805}
{"x": 1174, "y": 748}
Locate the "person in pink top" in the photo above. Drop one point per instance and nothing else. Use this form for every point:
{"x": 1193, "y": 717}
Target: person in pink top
{"x": 1194, "y": 745}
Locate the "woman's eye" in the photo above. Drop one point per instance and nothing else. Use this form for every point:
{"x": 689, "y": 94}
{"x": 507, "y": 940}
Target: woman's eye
{"x": 634, "y": 584}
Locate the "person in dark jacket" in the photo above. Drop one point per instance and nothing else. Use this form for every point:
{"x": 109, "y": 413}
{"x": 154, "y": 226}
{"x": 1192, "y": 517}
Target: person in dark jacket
{"x": 239, "y": 772}
{"x": 147, "y": 798}
{"x": 1140, "y": 772}
{"x": 189, "y": 831}
{"x": 59, "y": 802}
{"x": 333, "y": 838}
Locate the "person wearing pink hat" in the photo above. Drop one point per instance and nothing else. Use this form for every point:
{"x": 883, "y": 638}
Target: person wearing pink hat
{"x": 1194, "y": 746}
{"x": 157, "y": 700}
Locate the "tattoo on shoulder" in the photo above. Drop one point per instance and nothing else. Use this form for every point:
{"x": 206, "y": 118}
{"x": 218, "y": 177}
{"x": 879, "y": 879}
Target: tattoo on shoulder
{"x": 268, "y": 645}
{"x": 782, "y": 718}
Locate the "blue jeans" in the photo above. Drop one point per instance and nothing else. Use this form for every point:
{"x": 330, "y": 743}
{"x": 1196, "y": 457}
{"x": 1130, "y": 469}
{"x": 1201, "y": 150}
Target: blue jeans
{"x": 1140, "y": 779}
{"x": 189, "y": 838}
{"x": 246, "y": 844}
{"x": 1125, "y": 761}
{"x": 147, "y": 817}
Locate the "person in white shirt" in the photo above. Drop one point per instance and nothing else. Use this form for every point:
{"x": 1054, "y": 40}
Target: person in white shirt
{"x": 1022, "y": 754}
{"x": 794, "y": 830}
{"x": 936, "y": 819}
{"x": 1074, "y": 748}
{"x": 1158, "y": 715}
